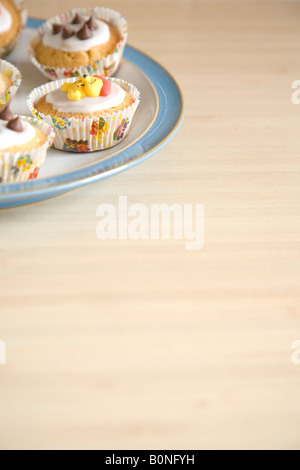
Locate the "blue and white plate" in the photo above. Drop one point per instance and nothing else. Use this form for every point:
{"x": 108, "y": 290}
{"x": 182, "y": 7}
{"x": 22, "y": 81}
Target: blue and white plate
{"x": 157, "y": 118}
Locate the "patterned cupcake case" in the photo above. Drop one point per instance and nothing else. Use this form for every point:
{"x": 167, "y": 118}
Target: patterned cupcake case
{"x": 23, "y": 166}
{"x": 88, "y": 134}
{"x": 105, "y": 67}
{"x": 15, "y": 76}
{"x": 5, "y": 50}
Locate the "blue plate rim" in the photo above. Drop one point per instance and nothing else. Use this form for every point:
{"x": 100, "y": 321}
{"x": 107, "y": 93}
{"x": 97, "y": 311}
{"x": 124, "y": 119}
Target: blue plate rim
{"x": 158, "y": 135}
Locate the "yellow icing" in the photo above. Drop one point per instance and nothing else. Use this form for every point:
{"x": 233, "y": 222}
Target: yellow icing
{"x": 84, "y": 86}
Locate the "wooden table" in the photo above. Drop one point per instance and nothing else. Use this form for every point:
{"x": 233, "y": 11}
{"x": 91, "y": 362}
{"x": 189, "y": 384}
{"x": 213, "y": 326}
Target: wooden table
{"x": 124, "y": 344}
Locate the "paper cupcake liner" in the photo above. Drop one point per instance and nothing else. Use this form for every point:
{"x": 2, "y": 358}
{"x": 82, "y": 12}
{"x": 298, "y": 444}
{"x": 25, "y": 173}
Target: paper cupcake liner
{"x": 23, "y": 166}
{"x": 14, "y": 74}
{"x": 105, "y": 67}
{"x": 88, "y": 134}
{"x": 5, "y": 50}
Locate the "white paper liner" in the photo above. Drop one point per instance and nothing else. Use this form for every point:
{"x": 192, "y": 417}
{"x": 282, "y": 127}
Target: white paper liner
{"x": 14, "y": 74}
{"x": 88, "y": 134}
{"x": 5, "y": 50}
{"x": 105, "y": 67}
{"x": 21, "y": 166}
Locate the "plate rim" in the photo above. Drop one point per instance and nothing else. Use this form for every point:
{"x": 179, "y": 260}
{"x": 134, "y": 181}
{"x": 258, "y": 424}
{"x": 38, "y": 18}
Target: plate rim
{"x": 42, "y": 187}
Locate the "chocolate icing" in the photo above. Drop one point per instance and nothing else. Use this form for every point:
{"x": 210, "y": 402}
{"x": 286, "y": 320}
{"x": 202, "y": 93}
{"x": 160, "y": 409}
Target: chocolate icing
{"x": 15, "y": 125}
{"x": 84, "y": 33}
{"x": 6, "y": 114}
{"x": 67, "y": 32}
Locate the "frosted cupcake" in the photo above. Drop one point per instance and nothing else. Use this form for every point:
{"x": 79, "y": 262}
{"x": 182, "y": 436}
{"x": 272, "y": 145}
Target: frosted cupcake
{"x": 88, "y": 114}
{"x": 10, "y": 80}
{"x": 23, "y": 146}
{"x": 83, "y": 41}
{"x": 12, "y": 19}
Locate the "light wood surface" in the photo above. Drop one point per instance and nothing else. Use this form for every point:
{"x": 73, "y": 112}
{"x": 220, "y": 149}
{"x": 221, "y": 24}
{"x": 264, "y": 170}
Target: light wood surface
{"x": 141, "y": 344}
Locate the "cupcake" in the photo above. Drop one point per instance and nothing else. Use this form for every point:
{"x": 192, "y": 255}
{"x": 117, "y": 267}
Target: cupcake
{"x": 10, "y": 80}
{"x": 88, "y": 114}
{"x": 12, "y": 20}
{"x": 83, "y": 41}
{"x": 23, "y": 146}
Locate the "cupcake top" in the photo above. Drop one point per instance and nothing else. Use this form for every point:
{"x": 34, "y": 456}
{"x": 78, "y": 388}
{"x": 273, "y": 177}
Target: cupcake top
{"x": 87, "y": 95}
{"x": 90, "y": 95}
{"x": 81, "y": 33}
{"x": 5, "y": 19}
{"x": 10, "y": 22}
{"x": 81, "y": 40}
{"x": 17, "y": 134}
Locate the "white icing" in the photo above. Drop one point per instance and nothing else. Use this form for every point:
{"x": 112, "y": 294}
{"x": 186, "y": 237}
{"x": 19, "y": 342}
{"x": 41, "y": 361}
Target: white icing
{"x": 8, "y": 137}
{"x": 60, "y": 102}
{"x": 73, "y": 44}
{"x": 5, "y": 19}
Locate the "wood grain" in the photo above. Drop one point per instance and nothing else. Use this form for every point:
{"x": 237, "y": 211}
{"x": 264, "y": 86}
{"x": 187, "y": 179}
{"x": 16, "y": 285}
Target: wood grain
{"x": 141, "y": 344}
